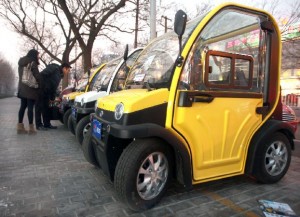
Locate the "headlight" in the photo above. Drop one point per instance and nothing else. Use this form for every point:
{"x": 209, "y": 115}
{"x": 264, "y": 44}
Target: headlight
{"x": 82, "y": 102}
{"x": 119, "y": 110}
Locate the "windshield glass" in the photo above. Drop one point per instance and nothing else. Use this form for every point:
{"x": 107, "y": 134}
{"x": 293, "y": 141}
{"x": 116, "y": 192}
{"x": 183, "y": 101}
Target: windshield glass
{"x": 104, "y": 76}
{"x": 81, "y": 85}
{"x": 154, "y": 67}
{"x": 94, "y": 78}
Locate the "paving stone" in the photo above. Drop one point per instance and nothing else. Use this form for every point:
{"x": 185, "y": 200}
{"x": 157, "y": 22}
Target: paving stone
{"x": 47, "y": 175}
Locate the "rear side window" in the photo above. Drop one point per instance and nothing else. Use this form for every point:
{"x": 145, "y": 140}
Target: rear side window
{"x": 228, "y": 70}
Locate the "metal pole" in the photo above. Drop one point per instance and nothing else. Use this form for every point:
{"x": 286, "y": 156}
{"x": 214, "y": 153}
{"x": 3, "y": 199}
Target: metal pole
{"x": 136, "y": 23}
{"x": 166, "y": 22}
{"x": 152, "y": 19}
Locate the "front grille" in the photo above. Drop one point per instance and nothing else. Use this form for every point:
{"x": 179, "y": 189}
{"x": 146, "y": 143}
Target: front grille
{"x": 90, "y": 104}
{"x": 77, "y": 104}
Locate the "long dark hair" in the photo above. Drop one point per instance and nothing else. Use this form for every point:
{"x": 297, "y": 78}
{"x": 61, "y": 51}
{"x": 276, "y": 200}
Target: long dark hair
{"x": 33, "y": 55}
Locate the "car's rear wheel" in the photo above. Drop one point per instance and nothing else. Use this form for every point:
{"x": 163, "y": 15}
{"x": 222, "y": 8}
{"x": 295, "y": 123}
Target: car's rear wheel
{"x": 143, "y": 172}
{"x": 82, "y": 128}
{"x": 273, "y": 158}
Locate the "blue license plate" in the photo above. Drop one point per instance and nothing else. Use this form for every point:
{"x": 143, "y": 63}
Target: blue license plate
{"x": 97, "y": 128}
{"x": 74, "y": 111}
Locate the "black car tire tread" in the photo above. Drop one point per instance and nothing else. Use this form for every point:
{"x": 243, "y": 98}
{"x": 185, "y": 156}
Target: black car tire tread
{"x": 71, "y": 125}
{"x": 260, "y": 172}
{"x": 66, "y": 117}
{"x": 127, "y": 167}
{"x": 88, "y": 150}
{"x": 79, "y": 128}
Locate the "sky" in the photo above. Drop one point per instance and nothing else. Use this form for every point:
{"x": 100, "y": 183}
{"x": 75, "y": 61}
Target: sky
{"x": 11, "y": 43}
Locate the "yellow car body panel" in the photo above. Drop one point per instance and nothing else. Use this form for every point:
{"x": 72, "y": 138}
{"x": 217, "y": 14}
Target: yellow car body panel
{"x": 71, "y": 96}
{"x": 218, "y": 140}
{"x": 134, "y": 99}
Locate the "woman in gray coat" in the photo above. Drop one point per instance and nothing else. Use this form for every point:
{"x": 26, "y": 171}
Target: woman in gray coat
{"x": 28, "y": 95}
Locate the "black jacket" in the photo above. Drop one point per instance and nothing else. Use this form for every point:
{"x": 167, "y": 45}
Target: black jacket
{"x": 25, "y": 91}
{"x": 50, "y": 79}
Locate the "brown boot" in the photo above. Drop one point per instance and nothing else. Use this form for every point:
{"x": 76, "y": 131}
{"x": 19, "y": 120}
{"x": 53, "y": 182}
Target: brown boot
{"x": 31, "y": 129}
{"x": 21, "y": 129}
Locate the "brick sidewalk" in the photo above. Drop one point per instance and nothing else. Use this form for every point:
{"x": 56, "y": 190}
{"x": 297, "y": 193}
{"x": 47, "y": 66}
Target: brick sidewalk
{"x": 47, "y": 175}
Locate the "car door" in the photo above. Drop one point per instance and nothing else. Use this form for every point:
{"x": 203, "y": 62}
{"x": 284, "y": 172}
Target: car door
{"x": 220, "y": 93}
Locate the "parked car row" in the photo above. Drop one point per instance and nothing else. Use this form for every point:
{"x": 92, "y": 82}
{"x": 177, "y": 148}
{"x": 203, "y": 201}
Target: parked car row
{"x": 195, "y": 105}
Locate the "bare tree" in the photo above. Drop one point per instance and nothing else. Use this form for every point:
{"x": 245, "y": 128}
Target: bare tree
{"x": 89, "y": 19}
{"x": 56, "y": 25}
{"x": 141, "y": 15}
{"x": 8, "y": 78}
{"x": 34, "y": 20}
{"x": 287, "y": 17}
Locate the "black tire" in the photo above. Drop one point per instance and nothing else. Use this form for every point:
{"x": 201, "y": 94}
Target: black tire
{"x": 66, "y": 117}
{"x": 128, "y": 173}
{"x": 88, "y": 150}
{"x": 272, "y": 159}
{"x": 71, "y": 125}
{"x": 82, "y": 127}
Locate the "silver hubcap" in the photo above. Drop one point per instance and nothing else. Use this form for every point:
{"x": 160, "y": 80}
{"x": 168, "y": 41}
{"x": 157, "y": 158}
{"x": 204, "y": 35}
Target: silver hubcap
{"x": 276, "y": 158}
{"x": 86, "y": 128}
{"x": 152, "y": 175}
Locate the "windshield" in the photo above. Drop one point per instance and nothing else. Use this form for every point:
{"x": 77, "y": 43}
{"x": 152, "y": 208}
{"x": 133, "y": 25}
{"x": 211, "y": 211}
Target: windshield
{"x": 94, "y": 78}
{"x": 104, "y": 76}
{"x": 81, "y": 85}
{"x": 154, "y": 67}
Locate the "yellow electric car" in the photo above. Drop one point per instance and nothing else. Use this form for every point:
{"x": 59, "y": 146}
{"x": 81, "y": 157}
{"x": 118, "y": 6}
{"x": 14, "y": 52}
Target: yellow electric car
{"x": 68, "y": 99}
{"x": 199, "y": 105}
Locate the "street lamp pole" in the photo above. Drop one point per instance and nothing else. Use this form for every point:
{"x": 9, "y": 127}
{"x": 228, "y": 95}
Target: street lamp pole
{"x": 152, "y": 19}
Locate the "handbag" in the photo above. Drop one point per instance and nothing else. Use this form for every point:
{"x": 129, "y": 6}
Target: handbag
{"x": 28, "y": 78}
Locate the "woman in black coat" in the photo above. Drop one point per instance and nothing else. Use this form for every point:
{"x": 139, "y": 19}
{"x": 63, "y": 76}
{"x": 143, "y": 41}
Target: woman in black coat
{"x": 28, "y": 95}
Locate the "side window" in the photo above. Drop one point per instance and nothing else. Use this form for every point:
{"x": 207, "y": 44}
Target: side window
{"x": 226, "y": 70}
{"x": 226, "y": 55}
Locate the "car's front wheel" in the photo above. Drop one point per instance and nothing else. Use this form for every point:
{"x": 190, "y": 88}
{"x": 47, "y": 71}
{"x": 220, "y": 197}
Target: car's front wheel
{"x": 273, "y": 158}
{"x": 143, "y": 172}
{"x": 71, "y": 125}
{"x": 66, "y": 117}
{"x": 82, "y": 127}
{"x": 88, "y": 150}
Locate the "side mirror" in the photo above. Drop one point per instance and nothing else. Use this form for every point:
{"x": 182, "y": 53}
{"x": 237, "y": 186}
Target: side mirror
{"x": 179, "y": 28}
{"x": 125, "y": 57}
{"x": 180, "y": 23}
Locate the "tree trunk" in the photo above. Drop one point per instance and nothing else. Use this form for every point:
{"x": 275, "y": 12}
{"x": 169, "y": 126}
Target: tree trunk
{"x": 87, "y": 58}
{"x": 136, "y": 23}
{"x": 65, "y": 59}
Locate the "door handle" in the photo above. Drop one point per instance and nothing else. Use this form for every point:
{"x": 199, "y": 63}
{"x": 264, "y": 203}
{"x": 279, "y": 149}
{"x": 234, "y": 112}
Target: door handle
{"x": 186, "y": 98}
{"x": 203, "y": 98}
